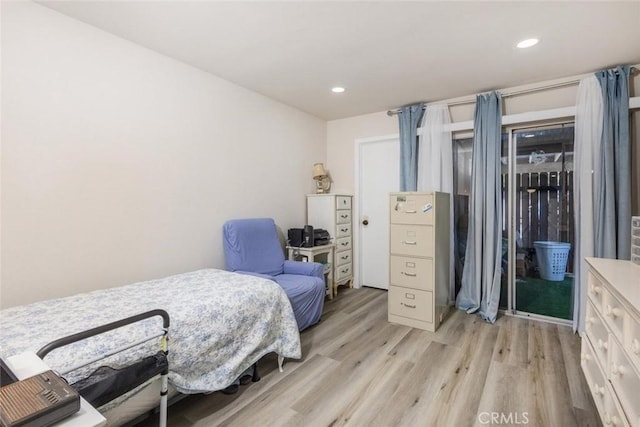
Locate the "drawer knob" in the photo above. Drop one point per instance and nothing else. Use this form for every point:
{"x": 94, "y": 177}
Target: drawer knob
{"x": 598, "y": 390}
{"x": 635, "y": 346}
{"x": 590, "y": 320}
{"x": 585, "y": 357}
{"x": 613, "y": 311}
{"x": 611, "y": 420}
{"x": 603, "y": 345}
{"x": 617, "y": 370}
{"x": 597, "y": 289}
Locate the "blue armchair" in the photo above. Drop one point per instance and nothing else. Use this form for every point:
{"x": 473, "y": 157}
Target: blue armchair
{"x": 251, "y": 246}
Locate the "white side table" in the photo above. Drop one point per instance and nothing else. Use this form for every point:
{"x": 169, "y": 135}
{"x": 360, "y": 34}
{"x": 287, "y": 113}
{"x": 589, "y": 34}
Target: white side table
{"x": 28, "y": 364}
{"x": 323, "y": 253}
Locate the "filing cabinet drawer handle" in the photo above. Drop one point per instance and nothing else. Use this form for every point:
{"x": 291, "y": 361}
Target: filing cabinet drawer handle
{"x": 409, "y": 306}
{"x": 409, "y": 274}
{"x": 408, "y": 242}
{"x": 411, "y": 211}
{"x": 635, "y": 346}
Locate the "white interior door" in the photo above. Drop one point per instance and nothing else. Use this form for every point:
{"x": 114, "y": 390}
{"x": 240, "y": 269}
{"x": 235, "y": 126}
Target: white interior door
{"x": 378, "y": 174}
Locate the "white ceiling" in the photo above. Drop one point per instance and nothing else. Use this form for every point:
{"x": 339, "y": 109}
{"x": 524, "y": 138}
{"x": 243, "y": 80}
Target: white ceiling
{"x": 385, "y": 53}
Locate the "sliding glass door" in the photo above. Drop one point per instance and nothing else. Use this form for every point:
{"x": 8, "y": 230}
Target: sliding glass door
{"x": 538, "y": 199}
{"x": 538, "y": 232}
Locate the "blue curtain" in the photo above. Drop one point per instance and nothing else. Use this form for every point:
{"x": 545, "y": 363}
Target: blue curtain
{"x": 480, "y": 290}
{"x": 409, "y": 119}
{"x": 613, "y": 187}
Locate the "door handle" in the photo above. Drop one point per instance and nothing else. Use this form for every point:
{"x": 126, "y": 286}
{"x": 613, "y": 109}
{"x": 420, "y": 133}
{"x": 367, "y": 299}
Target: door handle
{"x": 365, "y": 222}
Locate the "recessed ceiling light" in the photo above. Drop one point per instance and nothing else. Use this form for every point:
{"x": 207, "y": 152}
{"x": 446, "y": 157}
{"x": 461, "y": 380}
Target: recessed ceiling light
{"x": 337, "y": 89}
{"x": 527, "y": 43}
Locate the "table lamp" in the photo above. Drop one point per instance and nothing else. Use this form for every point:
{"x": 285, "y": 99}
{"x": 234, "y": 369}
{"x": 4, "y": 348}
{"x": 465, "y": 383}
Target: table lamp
{"x": 323, "y": 183}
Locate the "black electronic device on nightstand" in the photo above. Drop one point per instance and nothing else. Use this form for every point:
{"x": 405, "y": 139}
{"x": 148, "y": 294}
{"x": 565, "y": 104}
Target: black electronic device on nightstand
{"x": 37, "y": 401}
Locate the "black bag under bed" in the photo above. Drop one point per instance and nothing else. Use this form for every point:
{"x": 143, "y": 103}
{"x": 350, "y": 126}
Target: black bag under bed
{"x": 106, "y": 383}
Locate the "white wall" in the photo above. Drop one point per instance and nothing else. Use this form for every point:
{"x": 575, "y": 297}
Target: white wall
{"x": 120, "y": 164}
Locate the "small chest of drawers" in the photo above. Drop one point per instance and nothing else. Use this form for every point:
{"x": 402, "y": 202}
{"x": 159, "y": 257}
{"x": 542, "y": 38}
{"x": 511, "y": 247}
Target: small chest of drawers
{"x": 419, "y": 258}
{"x": 610, "y": 356}
{"x": 332, "y": 212}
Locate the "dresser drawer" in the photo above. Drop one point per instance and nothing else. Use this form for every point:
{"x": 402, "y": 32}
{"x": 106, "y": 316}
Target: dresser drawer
{"x": 595, "y": 291}
{"x": 632, "y": 340}
{"x": 411, "y": 209}
{"x": 411, "y": 303}
{"x": 343, "y": 230}
{"x": 343, "y": 217}
{"x": 343, "y": 202}
{"x": 343, "y": 243}
{"x": 597, "y": 333}
{"x": 416, "y": 273}
{"x": 613, "y": 414}
{"x": 416, "y": 240}
{"x": 614, "y": 313}
{"x": 593, "y": 374}
{"x": 343, "y": 272}
{"x": 343, "y": 257}
{"x": 625, "y": 381}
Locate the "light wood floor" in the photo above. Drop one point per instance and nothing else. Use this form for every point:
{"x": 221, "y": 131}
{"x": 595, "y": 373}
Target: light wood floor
{"x": 360, "y": 370}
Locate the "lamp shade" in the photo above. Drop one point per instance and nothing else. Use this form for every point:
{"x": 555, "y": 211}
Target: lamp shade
{"x": 318, "y": 171}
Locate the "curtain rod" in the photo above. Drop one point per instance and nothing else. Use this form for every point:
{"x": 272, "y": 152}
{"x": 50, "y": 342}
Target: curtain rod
{"x": 632, "y": 70}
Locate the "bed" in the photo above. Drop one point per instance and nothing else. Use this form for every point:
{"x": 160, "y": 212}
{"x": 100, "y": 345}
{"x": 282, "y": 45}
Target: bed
{"x": 221, "y": 324}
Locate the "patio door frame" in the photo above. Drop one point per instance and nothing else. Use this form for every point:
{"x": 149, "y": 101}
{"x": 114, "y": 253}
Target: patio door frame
{"x": 511, "y": 208}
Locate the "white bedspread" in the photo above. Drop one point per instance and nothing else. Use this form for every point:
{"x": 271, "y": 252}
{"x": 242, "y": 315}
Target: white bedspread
{"x": 221, "y": 323}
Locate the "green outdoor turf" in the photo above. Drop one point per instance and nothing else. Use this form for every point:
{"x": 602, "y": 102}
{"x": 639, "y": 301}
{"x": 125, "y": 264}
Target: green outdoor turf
{"x": 544, "y": 297}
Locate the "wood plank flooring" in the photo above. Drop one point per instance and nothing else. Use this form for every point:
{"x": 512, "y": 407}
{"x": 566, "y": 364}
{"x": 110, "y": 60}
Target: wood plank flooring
{"x": 360, "y": 370}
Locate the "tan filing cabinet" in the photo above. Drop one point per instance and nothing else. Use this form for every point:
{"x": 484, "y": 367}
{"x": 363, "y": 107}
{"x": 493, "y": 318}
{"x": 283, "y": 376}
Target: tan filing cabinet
{"x": 419, "y": 259}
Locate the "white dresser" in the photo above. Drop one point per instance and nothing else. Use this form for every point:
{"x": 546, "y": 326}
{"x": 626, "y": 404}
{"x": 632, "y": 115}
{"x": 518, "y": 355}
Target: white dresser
{"x": 610, "y": 355}
{"x": 419, "y": 259}
{"x": 332, "y": 212}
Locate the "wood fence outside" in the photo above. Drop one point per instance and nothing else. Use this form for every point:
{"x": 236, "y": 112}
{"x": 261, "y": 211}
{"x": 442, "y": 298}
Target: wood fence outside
{"x": 543, "y": 209}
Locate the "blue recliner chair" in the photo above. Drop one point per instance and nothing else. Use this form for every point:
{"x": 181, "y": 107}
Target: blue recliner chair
{"x": 252, "y": 246}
